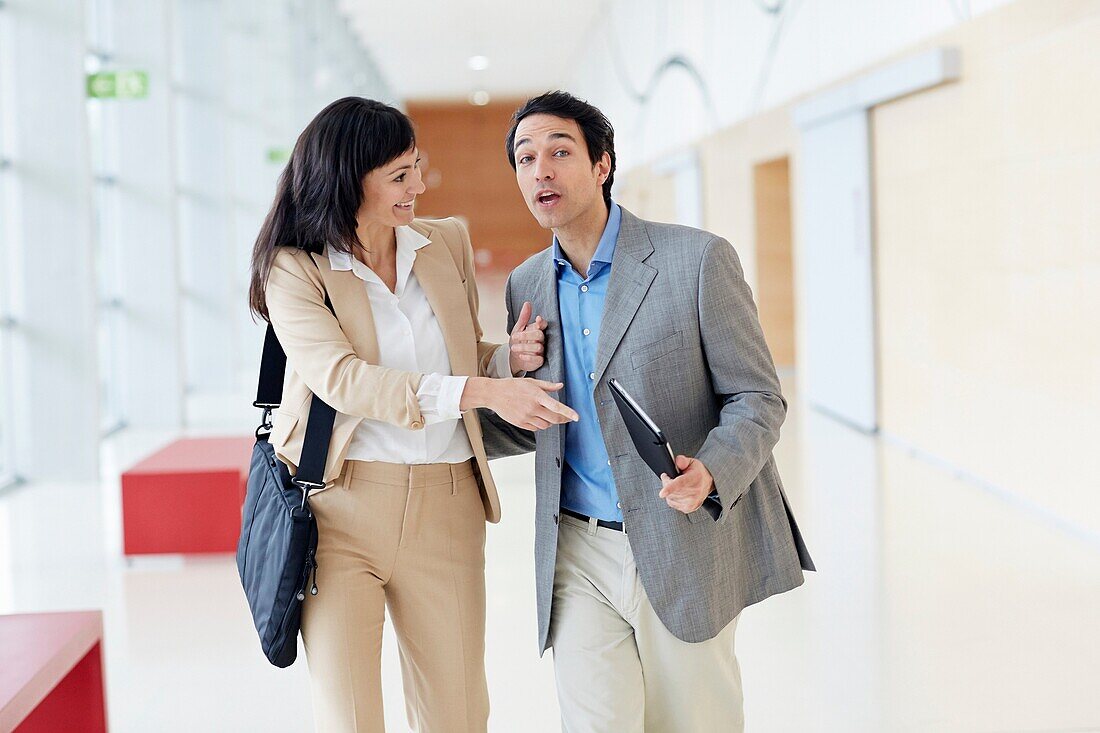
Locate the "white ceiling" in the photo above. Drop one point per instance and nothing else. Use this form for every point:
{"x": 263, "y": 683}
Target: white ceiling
{"x": 423, "y": 46}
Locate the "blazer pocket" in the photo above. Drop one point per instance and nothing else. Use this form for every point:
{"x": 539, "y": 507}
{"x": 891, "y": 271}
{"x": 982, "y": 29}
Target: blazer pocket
{"x": 282, "y": 425}
{"x": 699, "y": 515}
{"x": 293, "y": 411}
{"x": 654, "y": 351}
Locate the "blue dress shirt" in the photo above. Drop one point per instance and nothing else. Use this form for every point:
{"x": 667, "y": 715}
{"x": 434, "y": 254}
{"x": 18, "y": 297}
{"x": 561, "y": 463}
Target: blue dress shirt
{"x": 587, "y": 484}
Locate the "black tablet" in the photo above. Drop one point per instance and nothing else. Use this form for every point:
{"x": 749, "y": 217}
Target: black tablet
{"x": 651, "y": 443}
{"x": 648, "y": 438}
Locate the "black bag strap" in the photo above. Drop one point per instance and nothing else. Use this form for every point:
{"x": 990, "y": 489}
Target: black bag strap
{"x": 269, "y": 392}
{"x": 269, "y": 395}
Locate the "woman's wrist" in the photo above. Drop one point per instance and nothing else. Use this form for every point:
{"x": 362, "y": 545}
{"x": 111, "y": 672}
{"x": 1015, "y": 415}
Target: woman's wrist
{"x": 476, "y": 393}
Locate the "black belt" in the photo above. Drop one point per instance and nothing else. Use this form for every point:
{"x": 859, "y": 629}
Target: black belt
{"x": 605, "y": 523}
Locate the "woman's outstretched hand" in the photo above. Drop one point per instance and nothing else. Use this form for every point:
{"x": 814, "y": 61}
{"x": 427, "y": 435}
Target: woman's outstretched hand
{"x": 526, "y": 403}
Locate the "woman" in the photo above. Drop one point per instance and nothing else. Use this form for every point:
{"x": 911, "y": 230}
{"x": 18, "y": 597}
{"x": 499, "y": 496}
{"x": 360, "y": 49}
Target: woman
{"x": 400, "y": 358}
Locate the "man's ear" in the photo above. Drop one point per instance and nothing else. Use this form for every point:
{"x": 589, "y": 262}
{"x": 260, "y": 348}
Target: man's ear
{"x": 603, "y": 167}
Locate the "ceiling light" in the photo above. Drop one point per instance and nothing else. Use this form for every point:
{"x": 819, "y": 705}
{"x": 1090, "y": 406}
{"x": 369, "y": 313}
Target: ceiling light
{"x": 480, "y": 98}
{"x": 478, "y": 63}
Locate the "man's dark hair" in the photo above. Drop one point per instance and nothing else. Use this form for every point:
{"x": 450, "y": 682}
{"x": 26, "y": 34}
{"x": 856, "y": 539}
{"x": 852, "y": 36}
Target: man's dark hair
{"x": 599, "y": 135}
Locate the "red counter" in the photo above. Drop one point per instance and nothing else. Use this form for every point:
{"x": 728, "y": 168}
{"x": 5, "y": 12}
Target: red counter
{"x": 186, "y": 497}
{"x": 51, "y": 673}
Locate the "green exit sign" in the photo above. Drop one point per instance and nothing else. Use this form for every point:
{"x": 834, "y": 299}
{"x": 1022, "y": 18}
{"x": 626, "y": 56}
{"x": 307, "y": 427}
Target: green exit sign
{"x": 278, "y": 155}
{"x": 118, "y": 85}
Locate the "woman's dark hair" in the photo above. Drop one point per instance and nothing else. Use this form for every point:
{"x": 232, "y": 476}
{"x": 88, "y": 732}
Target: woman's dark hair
{"x": 321, "y": 189}
{"x": 599, "y": 135}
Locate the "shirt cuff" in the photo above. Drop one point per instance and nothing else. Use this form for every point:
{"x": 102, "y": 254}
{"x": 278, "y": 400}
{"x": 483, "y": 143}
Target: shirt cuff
{"x": 439, "y": 397}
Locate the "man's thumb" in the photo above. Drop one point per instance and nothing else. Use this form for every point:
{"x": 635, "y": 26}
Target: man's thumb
{"x": 524, "y": 317}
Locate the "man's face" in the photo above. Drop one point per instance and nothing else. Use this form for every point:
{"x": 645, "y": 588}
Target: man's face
{"x": 558, "y": 180}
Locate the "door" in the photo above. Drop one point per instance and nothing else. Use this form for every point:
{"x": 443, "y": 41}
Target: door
{"x": 836, "y": 268}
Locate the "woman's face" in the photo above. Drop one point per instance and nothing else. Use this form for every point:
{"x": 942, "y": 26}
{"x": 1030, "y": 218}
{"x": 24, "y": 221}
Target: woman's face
{"x": 390, "y": 191}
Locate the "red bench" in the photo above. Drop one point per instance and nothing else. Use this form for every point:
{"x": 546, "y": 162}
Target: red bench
{"x": 51, "y": 673}
{"x": 186, "y": 497}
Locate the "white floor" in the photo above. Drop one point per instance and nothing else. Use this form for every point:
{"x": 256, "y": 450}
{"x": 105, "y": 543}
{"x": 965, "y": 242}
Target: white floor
{"x": 937, "y": 606}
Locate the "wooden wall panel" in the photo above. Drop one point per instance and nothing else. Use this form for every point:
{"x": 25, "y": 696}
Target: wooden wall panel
{"x": 774, "y": 269}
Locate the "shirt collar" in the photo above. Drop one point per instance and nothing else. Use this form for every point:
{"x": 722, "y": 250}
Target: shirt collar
{"x": 605, "y": 250}
{"x": 408, "y": 241}
{"x": 411, "y": 239}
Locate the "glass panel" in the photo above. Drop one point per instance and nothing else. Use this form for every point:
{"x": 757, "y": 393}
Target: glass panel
{"x": 7, "y": 324}
{"x": 103, "y": 131}
{"x": 111, "y": 325}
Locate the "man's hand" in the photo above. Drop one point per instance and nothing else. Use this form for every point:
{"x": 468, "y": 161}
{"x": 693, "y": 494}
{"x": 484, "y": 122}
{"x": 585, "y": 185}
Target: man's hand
{"x": 689, "y": 490}
{"x": 527, "y": 342}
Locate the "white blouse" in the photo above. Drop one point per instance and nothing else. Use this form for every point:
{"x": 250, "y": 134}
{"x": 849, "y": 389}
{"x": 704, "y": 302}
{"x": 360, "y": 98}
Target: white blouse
{"x": 410, "y": 339}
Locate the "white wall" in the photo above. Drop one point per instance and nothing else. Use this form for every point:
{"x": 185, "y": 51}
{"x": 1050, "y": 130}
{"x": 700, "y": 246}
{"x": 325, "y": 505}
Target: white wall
{"x": 987, "y": 269}
{"x": 988, "y": 260}
{"x": 749, "y": 60}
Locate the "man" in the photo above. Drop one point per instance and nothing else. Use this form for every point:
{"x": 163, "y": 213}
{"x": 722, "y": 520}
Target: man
{"x": 639, "y": 588}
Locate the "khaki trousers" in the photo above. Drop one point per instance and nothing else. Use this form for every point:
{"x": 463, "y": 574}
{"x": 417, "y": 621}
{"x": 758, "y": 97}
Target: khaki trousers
{"x": 618, "y": 668}
{"x": 410, "y": 538}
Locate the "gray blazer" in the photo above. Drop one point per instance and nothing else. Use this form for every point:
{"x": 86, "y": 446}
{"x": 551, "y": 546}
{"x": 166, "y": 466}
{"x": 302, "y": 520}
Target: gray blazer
{"x": 680, "y": 332}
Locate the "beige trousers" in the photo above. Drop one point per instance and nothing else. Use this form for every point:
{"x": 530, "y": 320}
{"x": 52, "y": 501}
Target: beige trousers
{"x": 618, "y": 668}
{"x": 410, "y": 538}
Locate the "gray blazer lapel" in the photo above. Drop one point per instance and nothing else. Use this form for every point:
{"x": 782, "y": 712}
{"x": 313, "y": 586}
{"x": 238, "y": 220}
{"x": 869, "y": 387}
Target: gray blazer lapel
{"x": 630, "y": 281}
{"x": 546, "y": 296}
{"x": 547, "y": 292}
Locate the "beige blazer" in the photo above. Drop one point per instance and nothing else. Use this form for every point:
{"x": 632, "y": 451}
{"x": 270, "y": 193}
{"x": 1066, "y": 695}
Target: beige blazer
{"x": 337, "y": 358}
